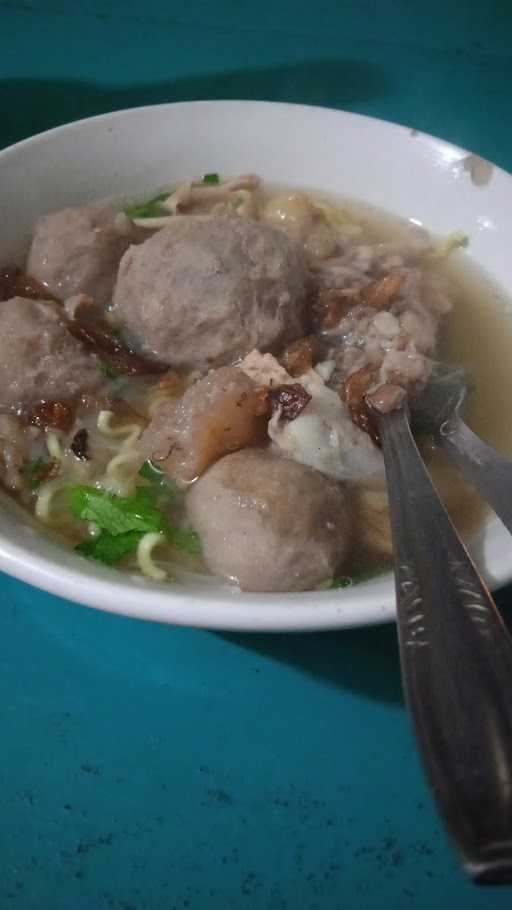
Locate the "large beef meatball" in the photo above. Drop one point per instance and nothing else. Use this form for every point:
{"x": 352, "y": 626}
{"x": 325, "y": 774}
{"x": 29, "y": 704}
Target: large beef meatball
{"x": 39, "y": 359}
{"x": 270, "y": 524}
{"x": 78, "y": 250}
{"x": 204, "y": 291}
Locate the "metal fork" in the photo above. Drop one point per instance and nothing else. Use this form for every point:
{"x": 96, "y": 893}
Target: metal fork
{"x": 456, "y": 657}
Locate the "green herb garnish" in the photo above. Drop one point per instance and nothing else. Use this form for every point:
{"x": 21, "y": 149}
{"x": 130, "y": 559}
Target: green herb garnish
{"x": 153, "y": 208}
{"x": 348, "y": 581}
{"x": 107, "y": 370}
{"x": 158, "y": 479}
{"x": 149, "y": 471}
{"x": 35, "y": 471}
{"x": 117, "y": 514}
{"x": 211, "y": 179}
{"x": 342, "y": 581}
{"x": 123, "y": 521}
{"x": 109, "y": 548}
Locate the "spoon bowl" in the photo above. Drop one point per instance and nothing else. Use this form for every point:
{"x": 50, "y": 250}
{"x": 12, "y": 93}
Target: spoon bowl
{"x": 443, "y": 397}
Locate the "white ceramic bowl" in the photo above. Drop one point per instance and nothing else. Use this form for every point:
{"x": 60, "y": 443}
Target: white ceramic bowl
{"x": 132, "y": 152}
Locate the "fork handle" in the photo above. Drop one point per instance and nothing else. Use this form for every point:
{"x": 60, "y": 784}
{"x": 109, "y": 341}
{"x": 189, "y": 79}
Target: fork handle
{"x": 485, "y": 469}
{"x": 456, "y": 658}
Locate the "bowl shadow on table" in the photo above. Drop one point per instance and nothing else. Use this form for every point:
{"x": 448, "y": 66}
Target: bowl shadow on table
{"x": 365, "y": 660}
{"x": 35, "y": 105}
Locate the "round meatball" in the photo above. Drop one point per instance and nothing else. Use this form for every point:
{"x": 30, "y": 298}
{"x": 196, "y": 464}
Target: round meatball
{"x": 39, "y": 359}
{"x": 269, "y": 524}
{"x": 78, "y": 250}
{"x": 205, "y": 291}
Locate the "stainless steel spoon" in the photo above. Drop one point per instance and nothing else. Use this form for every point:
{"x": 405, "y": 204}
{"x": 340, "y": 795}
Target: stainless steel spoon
{"x": 456, "y": 657}
{"x": 438, "y": 411}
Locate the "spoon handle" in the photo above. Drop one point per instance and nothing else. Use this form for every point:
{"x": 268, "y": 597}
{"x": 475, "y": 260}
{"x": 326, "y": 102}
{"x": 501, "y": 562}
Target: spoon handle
{"x": 456, "y": 658}
{"x": 486, "y": 470}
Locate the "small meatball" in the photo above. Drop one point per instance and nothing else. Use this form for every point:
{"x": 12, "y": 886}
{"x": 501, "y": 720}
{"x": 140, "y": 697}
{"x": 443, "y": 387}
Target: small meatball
{"x": 39, "y": 359}
{"x": 219, "y": 414}
{"x": 269, "y": 524}
{"x": 204, "y": 292}
{"x": 78, "y": 250}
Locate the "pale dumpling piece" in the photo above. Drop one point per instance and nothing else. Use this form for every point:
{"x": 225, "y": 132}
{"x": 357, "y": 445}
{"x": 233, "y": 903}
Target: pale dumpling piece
{"x": 298, "y": 216}
{"x": 324, "y": 437}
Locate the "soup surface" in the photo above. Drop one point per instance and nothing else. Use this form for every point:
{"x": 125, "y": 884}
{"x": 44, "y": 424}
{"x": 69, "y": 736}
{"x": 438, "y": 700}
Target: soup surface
{"x": 185, "y": 379}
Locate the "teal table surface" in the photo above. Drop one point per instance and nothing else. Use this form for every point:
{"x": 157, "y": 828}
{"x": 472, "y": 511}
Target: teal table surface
{"x": 144, "y": 767}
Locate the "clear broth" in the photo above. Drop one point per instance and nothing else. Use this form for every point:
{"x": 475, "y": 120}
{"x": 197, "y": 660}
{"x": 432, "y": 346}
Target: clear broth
{"x": 480, "y": 312}
{"x": 477, "y": 334}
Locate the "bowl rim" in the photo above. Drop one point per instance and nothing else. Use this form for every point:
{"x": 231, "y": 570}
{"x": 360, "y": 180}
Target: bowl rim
{"x": 255, "y": 103}
{"x": 119, "y": 593}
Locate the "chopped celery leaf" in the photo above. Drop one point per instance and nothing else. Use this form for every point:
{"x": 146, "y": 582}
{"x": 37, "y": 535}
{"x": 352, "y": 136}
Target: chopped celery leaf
{"x": 117, "y": 514}
{"x": 150, "y": 471}
{"x": 110, "y": 548}
{"x": 150, "y": 209}
{"x": 123, "y": 520}
{"x": 106, "y": 370}
{"x": 342, "y": 581}
{"x": 347, "y": 581}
